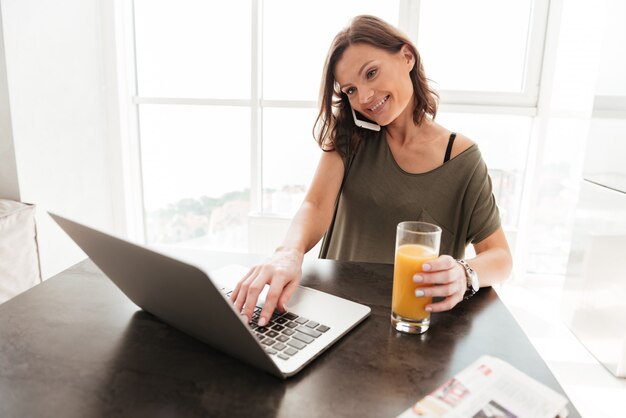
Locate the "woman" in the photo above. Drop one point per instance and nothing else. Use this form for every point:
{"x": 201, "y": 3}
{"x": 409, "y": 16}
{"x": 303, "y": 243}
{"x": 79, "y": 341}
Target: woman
{"x": 411, "y": 169}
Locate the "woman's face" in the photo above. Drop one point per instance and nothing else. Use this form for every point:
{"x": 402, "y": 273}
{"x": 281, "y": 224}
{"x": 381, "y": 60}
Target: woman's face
{"x": 377, "y": 82}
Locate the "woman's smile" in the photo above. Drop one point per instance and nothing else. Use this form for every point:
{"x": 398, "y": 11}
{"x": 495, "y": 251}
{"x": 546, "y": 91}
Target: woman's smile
{"x": 379, "y": 105}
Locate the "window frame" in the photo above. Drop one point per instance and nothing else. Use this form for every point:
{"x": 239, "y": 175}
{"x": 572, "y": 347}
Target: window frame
{"x": 524, "y": 103}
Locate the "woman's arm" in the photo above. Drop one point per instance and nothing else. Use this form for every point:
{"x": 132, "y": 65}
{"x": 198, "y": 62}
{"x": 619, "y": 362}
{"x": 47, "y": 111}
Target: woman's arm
{"x": 493, "y": 261}
{"x": 283, "y": 270}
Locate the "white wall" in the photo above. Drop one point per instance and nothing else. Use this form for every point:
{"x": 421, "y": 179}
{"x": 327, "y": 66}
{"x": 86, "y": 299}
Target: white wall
{"x": 62, "y": 96}
{"x": 8, "y": 173}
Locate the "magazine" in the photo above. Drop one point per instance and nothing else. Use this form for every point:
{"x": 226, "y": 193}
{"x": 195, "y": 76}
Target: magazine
{"x": 490, "y": 387}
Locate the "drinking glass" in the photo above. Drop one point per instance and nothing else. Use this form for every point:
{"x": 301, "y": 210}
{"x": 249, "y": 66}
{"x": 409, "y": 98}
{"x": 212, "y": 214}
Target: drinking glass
{"x": 416, "y": 243}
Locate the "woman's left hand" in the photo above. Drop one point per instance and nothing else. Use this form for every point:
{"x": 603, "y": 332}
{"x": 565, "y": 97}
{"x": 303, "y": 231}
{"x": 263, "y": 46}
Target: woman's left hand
{"x": 443, "y": 277}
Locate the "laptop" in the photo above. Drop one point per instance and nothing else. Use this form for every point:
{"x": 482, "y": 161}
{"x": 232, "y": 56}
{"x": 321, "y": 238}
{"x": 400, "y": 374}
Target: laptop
{"x": 186, "y": 297}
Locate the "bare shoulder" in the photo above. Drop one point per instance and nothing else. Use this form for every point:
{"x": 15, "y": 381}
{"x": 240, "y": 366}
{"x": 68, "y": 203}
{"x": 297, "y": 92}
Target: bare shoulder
{"x": 461, "y": 143}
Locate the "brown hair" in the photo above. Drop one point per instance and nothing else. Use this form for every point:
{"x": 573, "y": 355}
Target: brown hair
{"x": 334, "y": 128}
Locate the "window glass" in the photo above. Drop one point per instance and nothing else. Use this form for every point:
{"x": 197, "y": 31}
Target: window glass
{"x": 290, "y": 157}
{"x": 193, "y": 48}
{"x": 196, "y": 175}
{"x": 474, "y": 45}
{"x": 611, "y": 80}
{"x": 296, "y": 38}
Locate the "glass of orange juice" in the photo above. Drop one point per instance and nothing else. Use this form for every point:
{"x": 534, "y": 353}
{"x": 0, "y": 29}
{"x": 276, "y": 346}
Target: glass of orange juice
{"x": 416, "y": 243}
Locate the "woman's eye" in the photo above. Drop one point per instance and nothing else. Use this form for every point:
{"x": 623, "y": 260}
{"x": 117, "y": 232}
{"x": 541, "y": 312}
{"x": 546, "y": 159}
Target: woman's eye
{"x": 371, "y": 73}
{"x": 350, "y": 90}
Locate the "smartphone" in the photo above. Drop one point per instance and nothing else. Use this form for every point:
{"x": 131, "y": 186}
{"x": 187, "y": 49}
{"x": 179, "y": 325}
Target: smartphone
{"x": 367, "y": 124}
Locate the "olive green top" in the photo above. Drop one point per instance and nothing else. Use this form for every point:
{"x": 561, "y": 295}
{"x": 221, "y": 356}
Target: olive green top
{"x": 378, "y": 194}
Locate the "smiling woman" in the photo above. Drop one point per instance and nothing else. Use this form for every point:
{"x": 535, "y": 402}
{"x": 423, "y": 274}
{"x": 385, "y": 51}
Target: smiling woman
{"x": 411, "y": 169}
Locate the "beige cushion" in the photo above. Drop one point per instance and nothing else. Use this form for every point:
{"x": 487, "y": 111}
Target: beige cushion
{"x": 19, "y": 255}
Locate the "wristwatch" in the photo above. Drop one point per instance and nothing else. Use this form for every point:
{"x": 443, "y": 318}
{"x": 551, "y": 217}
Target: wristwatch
{"x": 473, "y": 284}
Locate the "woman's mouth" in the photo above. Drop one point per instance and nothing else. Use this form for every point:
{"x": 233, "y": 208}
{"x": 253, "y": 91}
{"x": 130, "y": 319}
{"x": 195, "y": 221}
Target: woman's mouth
{"x": 378, "y": 105}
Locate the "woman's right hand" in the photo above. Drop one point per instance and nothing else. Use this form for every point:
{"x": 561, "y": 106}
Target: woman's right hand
{"x": 282, "y": 272}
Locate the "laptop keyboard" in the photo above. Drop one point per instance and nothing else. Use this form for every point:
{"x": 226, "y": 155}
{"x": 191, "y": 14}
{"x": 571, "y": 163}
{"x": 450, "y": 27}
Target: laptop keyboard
{"x": 286, "y": 333}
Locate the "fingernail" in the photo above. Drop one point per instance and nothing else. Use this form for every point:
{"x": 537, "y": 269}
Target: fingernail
{"x": 262, "y": 322}
{"x": 428, "y": 308}
{"x": 245, "y": 318}
{"x": 418, "y": 279}
{"x": 419, "y": 293}
{"x": 426, "y": 267}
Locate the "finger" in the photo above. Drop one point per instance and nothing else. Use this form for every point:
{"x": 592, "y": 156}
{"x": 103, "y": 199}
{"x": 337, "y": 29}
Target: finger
{"x": 240, "y": 299}
{"x": 235, "y": 292}
{"x": 443, "y": 262}
{"x": 440, "y": 290}
{"x": 288, "y": 291}
{"x": 254, "y": 290}
{"x": 276, "y": 288}
{"x": 439, "y": 277}
{"x": 242, "y": 296}
{"x": 446, "y": 304}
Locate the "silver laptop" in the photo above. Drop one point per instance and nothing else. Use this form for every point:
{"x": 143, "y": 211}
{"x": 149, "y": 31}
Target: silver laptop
{"x": 184, "y": 296}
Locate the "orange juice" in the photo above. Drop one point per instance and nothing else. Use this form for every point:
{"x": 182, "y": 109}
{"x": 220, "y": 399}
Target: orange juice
{"x": 409, "y": 260}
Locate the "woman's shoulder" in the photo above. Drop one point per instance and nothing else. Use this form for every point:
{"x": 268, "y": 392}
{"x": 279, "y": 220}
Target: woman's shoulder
{"x": 461, "y": 144}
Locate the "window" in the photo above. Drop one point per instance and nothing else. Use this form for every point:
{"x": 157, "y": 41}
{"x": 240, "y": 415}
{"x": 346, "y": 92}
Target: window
{"x": 479, "y": 53}
{"x": 290, "y": 156}
{"x": 197, "y": 174}
{"x": 193, "y": 81}
{"x": 474, "y": 58}
{"x": 296, "y": 38}
{"x": 226, "y": 98}
{"x": 193, "y": 48}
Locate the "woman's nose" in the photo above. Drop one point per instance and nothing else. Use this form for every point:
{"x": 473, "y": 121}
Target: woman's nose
{"x": 365, "y": 95}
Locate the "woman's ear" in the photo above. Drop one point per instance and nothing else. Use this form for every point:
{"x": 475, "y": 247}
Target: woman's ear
{"x": 408, "y": 56}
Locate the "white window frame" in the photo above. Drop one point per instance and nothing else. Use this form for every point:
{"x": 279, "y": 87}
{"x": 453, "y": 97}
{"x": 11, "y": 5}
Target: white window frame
{"x": 524, "y": 103}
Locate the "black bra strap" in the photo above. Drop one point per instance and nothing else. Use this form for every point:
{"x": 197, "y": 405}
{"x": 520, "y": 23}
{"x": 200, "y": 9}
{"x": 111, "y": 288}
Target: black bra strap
{"x": 449, "y": 149}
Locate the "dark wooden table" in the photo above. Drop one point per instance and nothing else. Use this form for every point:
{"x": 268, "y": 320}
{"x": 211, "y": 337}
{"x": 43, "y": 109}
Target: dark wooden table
{"x": 75, "y": 346}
